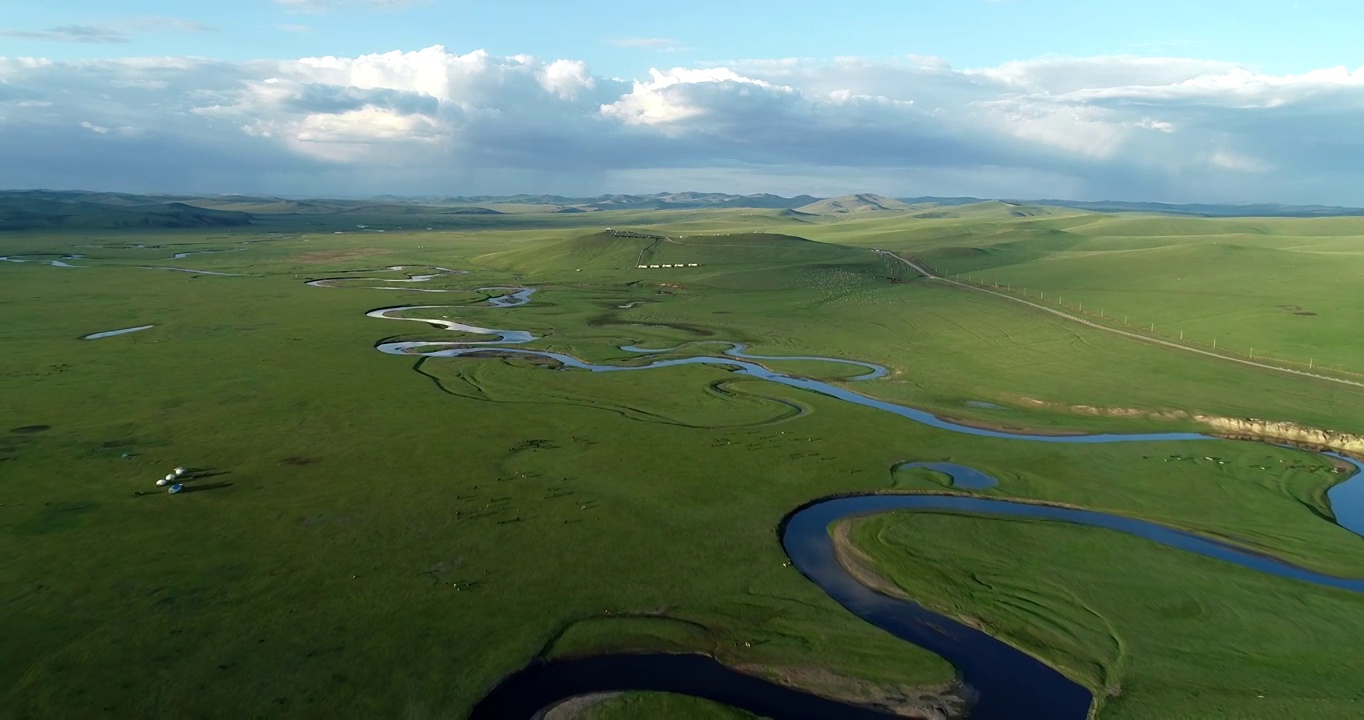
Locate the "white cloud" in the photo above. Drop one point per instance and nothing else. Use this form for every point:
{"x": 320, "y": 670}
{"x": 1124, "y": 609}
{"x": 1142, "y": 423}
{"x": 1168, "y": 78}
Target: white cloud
{"x": 667, "y": 97}
{"x": 1109, "y": 127}
{"x": 566, "y": 78}
{"x": 1235, "y": 161}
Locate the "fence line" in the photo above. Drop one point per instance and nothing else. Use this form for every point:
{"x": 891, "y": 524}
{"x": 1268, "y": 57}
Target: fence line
{"x": 1100, "y": 317}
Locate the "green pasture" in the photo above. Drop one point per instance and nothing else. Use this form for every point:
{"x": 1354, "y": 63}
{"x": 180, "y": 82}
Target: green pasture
{"x": 1281, "y": 288}
{"x": 1154, "y": 631}
{"x": 390, "y": 536}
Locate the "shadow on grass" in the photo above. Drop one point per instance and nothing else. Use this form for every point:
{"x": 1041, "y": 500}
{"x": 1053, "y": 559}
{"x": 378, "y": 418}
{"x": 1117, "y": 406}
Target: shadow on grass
{"x": 202, "y": 474}
{"x": 205, "y": 487}
{"x": 1328, "y": 517}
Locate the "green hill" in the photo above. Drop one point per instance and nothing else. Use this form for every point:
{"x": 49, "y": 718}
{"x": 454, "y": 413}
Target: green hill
{"x": 19, "y": 212}
{"x": 626, "y": 250}
{"x": 991, "y": 209}
{"x": 847, "y": 204}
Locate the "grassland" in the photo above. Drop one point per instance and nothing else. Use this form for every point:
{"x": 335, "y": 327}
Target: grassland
{"x": 389, "y": 536}
{"x": 1280, "y": 287}
{"x": 1156, "y": 632}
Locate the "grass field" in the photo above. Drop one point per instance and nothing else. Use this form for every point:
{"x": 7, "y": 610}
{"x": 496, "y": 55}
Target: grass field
{"x": 391, "y": 536}
{"x": 1163, "y": 633}
{"x": 1279, "y": 287}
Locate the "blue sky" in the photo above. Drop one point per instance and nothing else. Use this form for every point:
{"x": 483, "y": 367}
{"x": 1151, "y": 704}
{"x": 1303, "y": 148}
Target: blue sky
{"x": 1276, "y": 37}
{"x": 1159, "y": 100}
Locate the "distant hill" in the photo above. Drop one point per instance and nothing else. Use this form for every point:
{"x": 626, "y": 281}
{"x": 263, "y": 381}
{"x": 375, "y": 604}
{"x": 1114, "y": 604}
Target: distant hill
{"x": 988, "y": 209}
{"x": 74, "y": 208}
{"x": 1202, "y": 210}
{"x": 19, "y": 212}
{"x": 626, "y": 249}
{"x": 860, "y": 203}
{"x": 1257, "y": 210}
{"x": 655, "y": 201}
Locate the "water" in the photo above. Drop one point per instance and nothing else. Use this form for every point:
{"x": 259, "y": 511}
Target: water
{"x": 962, "y": 477}
{"x": 737, "y": 350}
{"x": 1347, "y": 498}
{"x": 544, "y": 684}
{"x": 517, "y": 296}
{"x": 440, "y": 272}
{"x": 983, "y": 405}
{"x": 736, "y": 362}
{"x": 1007, "y": 682}
{"x": 195, "y": 272}
{"x": 111, "y": 333}
{"x": 1007, "y": 679}
{"x": 505, "y": 337}
{"x": 54, "y": 263}
{"x": 183, "y": 255}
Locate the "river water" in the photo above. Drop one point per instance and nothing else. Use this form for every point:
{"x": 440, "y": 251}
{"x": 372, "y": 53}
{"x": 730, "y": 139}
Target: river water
{"x": 1004, "y": 681}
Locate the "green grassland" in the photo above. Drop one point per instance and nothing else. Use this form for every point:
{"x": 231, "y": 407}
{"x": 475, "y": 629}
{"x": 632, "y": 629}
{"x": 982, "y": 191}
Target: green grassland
{"x": 1162, "y": 633}
{"x": 391, "y": 535}
{"x": 1281, "y": 287}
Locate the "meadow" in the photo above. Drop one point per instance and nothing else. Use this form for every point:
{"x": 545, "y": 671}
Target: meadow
{"x": 390, "y": 536}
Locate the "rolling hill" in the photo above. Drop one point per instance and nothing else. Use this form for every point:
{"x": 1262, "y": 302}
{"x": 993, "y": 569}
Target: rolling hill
{"x": 624, "y": 250}
{"x": 848, "y": 204}
{"x": 32, "y": 213}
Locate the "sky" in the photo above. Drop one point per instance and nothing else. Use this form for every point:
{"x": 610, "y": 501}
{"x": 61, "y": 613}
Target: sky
{"x": 1159, "y": 101}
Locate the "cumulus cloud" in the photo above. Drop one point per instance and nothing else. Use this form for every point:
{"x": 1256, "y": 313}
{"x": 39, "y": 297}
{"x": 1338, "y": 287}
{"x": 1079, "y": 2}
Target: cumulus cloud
{"x": 433, "y": 120}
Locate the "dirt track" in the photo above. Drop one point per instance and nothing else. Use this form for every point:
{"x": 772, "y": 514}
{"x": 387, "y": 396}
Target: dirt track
{"x": 923, "y": 271}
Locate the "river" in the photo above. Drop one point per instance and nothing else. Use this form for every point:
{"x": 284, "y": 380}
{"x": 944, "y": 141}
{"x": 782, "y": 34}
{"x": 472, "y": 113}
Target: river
{"x": 1005, "y": 682}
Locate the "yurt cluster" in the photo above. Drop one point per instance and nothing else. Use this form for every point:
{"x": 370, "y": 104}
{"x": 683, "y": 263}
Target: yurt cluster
{"x": 171, "y": 479}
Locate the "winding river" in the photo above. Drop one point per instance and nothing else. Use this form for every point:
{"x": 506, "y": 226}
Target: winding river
{"x": 1004, "y": 681}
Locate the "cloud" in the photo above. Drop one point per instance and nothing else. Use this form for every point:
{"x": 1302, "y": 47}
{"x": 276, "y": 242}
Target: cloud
{"x": 1173, "y": 129}
{"x": 118, "y": 31}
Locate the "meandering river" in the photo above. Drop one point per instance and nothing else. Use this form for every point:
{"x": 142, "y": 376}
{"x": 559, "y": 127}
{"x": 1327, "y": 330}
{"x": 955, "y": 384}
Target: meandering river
{"x": 1006, "y": 682}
